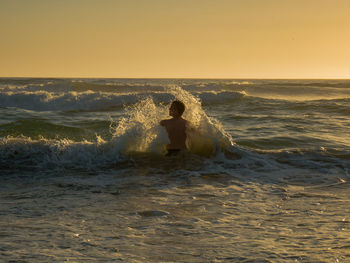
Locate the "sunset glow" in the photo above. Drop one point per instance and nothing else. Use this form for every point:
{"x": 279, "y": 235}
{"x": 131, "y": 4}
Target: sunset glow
{"x": 175, "y": 39}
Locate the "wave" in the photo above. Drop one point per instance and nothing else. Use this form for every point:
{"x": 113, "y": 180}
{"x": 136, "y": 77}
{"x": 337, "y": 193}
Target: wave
{"x": 90, "y": 100}
{"x": 43, "y": 128}
{"x": 43, "y": 154}
{"x": 137, "y": 131}
{"x": 342, "y": 84}
{"x": 61, "y": 92}
{"x": 115, "y": 85}
{"x": 313, "y": 166}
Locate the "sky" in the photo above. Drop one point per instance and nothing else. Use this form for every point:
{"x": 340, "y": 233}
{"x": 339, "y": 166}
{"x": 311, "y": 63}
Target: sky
{"x": 175, "y": 38}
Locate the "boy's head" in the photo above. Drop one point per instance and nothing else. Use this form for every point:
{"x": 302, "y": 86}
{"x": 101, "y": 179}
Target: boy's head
{"x": 177, "y": 108}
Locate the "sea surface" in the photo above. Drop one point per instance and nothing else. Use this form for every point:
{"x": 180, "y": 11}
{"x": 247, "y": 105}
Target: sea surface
{"x": 83, "y": 176}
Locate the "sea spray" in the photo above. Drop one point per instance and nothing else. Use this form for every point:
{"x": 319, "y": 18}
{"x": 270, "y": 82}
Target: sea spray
{"x": 140, "y": 129}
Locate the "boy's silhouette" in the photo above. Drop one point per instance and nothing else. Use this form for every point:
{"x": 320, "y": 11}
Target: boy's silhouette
{"x": 176, "y": 128}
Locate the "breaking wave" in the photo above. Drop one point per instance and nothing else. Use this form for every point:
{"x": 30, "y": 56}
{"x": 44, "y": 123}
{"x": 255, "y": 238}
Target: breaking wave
{"x": 137, "y": 131}
{"x": 95, "y": 101}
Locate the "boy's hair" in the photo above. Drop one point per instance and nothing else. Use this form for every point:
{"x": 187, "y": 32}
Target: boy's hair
{"x": 179, "y": 106}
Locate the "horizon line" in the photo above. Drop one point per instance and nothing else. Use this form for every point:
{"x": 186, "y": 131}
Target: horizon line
{"x": 222, "y": 78}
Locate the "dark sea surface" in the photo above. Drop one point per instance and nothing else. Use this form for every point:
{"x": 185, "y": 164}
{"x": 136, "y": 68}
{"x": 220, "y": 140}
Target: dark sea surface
{"x": 83, "y": 176}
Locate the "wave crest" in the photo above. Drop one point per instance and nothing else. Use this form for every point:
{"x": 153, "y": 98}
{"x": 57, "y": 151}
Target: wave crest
{"x": 96, "y": 101}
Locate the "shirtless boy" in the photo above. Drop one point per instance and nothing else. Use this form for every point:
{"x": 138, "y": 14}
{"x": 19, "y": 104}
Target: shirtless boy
{"x": 176, "y": 128}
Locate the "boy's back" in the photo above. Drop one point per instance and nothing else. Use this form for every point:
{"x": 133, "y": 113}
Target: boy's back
{"x": 176, "y": 129}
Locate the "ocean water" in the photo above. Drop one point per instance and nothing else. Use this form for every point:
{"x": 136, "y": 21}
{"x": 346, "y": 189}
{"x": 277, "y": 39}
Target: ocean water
{"x": 83, "y": 176}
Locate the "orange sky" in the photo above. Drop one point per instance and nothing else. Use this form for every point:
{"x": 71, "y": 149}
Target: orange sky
{"x": 175, "y": 38}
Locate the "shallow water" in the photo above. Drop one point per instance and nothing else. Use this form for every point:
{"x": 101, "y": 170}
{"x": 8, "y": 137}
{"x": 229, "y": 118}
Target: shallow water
{"x": 83, "y": 177}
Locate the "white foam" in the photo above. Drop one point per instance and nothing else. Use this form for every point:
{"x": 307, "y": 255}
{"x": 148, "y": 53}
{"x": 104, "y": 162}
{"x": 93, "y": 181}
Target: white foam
{"x": 42, "y": 100}
{"x": 55, "y": 154}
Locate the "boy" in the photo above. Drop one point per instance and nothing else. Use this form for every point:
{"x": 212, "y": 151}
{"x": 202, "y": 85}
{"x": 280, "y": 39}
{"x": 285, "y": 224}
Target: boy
{"x": 176, "y": 128}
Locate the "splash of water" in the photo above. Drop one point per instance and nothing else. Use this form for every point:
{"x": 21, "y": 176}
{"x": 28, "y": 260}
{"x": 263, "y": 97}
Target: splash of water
{"x": 140, "y": 129}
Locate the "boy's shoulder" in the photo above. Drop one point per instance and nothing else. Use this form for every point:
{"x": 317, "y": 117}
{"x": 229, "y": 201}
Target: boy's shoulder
{"x": 174, "y": 121}
{"x": 164, "y": 122}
